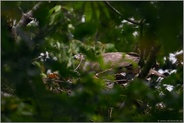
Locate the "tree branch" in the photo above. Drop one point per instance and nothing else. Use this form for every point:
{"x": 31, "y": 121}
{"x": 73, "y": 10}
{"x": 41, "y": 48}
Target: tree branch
{"x": 118, "y": 13}
{"x": 25, "y": 19}
{"x": 150, "y": 62}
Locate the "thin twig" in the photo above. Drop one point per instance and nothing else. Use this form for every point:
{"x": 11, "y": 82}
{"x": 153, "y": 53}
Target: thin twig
{"x": 125, "y": 80}
{"x": 55, "y": 80}
{"x": 110, "y": 112}
{"x": 81, "y": 59}
{"x": 97, "y": 74}
{"x": 118, "y": 13}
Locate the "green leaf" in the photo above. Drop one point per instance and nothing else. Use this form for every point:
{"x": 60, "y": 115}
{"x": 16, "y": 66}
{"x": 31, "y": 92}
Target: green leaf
{"x": 105, "y": 9}
{"x": 85, "y": 29}
{"x": 88, "y": 11}
{"x": 97, "y": 10}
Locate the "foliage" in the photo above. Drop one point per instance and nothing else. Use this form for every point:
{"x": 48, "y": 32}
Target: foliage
{"x": 59, "y": 30}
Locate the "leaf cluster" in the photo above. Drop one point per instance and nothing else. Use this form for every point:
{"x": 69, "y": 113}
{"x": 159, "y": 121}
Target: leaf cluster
{"x": 60, "y": 30}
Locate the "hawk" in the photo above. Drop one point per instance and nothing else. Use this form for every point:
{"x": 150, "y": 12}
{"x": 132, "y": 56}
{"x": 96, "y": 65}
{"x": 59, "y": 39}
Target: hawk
{"x": 125, "y": 66}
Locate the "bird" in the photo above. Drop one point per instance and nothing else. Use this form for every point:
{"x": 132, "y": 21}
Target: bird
{"x": 110, "y": 60}
{"x": 125, "y": 66}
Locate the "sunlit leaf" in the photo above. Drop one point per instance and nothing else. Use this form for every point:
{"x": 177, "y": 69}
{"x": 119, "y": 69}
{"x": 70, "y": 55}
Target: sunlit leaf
{"x": 88, "y": 12}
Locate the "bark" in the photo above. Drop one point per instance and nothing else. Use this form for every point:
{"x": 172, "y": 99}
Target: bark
{"x": 149, "y": 63}
{"x": 25, "y": 19}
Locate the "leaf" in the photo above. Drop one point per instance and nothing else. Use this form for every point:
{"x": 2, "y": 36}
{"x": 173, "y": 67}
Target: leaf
{"x": 88, "y": 12}
{"x": 85, "y": 29}
{"x": 105, "y": 10}
{"x": 57, "y": 8}
{"x": 97, "y": 10}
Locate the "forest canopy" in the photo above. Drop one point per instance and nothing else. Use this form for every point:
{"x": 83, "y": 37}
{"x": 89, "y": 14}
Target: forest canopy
{"x": 92, "y": 61}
